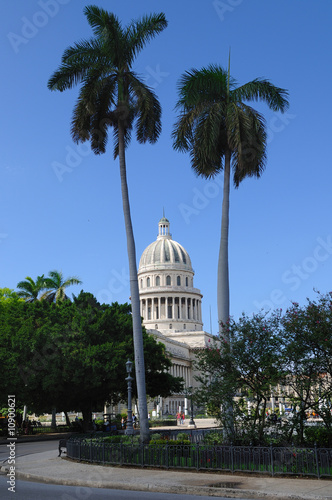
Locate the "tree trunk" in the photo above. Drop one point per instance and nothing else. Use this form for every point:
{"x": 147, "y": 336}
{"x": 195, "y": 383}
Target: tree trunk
{"x": 223, "y": 290}
{"x": 87, "y": 418}
{"x": 53, "y": 422}
{"x": 223, "y": 273}
{"x": 67, "y": 418}
{"x": 134, "y": 292}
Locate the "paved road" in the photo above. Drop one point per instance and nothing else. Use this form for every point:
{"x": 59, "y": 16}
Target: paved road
{"x": 25, "y": 490}
{"x": 23, "y": 449}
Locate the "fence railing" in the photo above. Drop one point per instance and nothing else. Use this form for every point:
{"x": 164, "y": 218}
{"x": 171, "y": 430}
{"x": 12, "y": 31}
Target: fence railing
{"x": 265, "y": 460}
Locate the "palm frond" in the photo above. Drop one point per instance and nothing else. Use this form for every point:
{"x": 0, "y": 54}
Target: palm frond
{"x": 207, "y": 85}
{"x": 99, "y": 19}
{"x": 92, "y": 110}
{"x": 148, "y": 110}
{"x": 263, "y": 90}
{"x": 140, "y": 31}
{"x": 76, "y": 64}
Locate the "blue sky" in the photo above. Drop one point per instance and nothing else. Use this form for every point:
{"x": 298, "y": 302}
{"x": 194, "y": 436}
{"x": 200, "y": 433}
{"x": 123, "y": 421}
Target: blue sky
{"x": 71, "y": 220}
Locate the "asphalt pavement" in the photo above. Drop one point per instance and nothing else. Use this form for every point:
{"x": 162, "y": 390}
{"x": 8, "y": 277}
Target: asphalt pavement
{"x": 47, "y": 467}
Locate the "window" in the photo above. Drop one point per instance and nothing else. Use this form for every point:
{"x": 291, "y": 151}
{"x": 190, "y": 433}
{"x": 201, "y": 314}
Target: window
{"x": 156, "y": 327}
{"x": 170, "y": 326}
{"x": 186, "y": 281}
{"x": 178, "y": 281}
{"x": 158, "y": 281}
{"x": 169, "y": 315}
{"x": 141, "y": 283}
{"x": 168, "y": 280}
{"x": 149, "y": 312}
{"x": 148, "y": 282}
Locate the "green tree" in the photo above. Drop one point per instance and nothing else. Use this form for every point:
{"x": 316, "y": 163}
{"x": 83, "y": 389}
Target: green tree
{"x": 72, "y": 355}
{"x": 29, "y": 289}
{"x": 113, "y": 96}
{"x": 56, "y": 286}
{"x": 247, "y": 367}
{"x": 223, "y": 133}
{"x": 7, "y": 294}
{"x": 307, "y": 360}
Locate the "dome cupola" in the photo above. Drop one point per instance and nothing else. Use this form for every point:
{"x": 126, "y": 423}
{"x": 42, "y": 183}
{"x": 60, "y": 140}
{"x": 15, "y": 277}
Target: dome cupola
{"x": 164, "y": 252}
{"x": 169, "y": 301}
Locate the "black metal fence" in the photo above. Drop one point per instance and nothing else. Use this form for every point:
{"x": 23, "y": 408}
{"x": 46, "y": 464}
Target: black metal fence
{"x": 265, "y": 460}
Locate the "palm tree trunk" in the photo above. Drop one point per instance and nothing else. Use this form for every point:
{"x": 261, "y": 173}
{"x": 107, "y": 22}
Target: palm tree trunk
{"x": 223, "y": 273}
{"x": 135, "y": 302}
{"x": 223, "y": 291}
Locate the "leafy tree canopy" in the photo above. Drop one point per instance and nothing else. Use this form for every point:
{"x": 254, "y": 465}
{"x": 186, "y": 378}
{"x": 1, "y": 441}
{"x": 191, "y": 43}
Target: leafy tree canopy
{"x": 72, "y": 355}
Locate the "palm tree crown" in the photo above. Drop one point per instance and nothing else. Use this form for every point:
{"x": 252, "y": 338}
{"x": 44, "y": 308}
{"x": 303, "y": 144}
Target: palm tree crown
{"x": 215, "y": 120}
{"x": 56, "y": 285}
{"x": 223, "y": 133}
{"x": 113, "y": 96}
{"x": 30, "y": 289}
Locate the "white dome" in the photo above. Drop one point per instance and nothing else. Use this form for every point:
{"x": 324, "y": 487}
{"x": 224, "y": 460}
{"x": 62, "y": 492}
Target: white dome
{"x": 164, "y": 253}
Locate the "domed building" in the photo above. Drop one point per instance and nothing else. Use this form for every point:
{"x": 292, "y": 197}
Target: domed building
{"x": 171, "y": 307}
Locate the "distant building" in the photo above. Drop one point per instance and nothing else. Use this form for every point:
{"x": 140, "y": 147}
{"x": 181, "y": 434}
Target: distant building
{"x": 171, "y": 308}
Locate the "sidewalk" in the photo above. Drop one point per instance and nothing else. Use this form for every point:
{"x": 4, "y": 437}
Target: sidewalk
{"x": 47, "y": 467}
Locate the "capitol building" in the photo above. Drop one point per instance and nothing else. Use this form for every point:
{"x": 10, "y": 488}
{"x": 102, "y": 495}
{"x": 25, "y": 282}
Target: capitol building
{"x": 171, "y": 308}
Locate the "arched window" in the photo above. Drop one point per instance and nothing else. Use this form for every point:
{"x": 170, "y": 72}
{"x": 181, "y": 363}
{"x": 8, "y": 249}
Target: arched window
{"x": 157, "y": 280}
{"x": 178, "y": 281}
{"x": 147, "y": 281}
{"x": 168, "y": 280}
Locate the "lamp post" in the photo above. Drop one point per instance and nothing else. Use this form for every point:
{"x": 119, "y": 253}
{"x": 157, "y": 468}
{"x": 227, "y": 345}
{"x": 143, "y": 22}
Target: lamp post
{"x": 129, "y": 379}
{"x": 191, "y": 421}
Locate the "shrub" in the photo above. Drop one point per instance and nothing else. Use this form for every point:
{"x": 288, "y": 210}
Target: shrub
{"x": 319, "y": 435}
{"x": 182, "y": 436}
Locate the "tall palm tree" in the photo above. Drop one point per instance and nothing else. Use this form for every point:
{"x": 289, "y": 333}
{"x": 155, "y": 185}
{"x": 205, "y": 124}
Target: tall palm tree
{"x": 30, "y": 289}
{"x": 223, "y": 133}
{"x": 56, "y": 285}
{"x": 113, "y": 96}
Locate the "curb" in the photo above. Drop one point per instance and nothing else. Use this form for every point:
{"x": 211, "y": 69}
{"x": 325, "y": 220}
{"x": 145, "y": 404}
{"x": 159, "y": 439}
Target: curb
{"x": 162, "y": 488}
{"x": 215, "y": 491}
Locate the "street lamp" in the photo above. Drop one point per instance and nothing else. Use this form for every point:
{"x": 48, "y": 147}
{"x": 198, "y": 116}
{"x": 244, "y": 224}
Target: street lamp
{"x": 129, "y": 379}
{"x": 191, "y": 421}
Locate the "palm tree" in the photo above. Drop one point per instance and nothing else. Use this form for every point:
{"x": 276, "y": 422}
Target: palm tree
{"x": 56, "y": 285}
{"x": 30, "y": 289}
{"x": 113, "y": 96}
{"x": 222, "y": 132}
